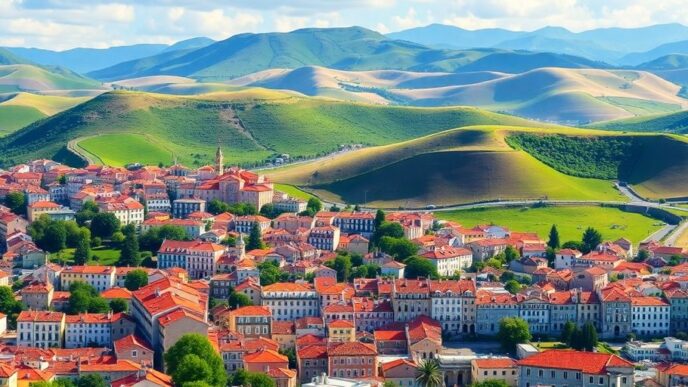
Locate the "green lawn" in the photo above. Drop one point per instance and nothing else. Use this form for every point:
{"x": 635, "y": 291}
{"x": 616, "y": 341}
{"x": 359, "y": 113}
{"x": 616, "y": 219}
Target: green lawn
{"x": 613, "y": 223}
{"x": 293, "y": 191}
{"x": 16, "y": 117}
{"x": 123, "y": 148}
{"x": 107, "y": 256}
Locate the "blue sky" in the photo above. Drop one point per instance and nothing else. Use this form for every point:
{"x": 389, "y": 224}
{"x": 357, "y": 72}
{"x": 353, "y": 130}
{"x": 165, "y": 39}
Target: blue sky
{"x": 63, "y": 24}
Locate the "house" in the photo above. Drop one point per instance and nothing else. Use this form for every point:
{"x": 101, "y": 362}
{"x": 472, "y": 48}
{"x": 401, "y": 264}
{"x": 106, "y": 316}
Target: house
{"x": 324, "y": 237}
{"x": 40, "y": 329}
{"x": 574, "y": 368}
{"x": 198, "y": 258}
{"x": 251, "y": 321}
{"x": 51, "y": 209}
{"x": 448, "y": 260}
{"x": 564, "y": 258}
{"x": 590, "y": 279}
{"x": 358, "y": 244}
{"x": 650, "y": 316}
{"x": 312, "y": 361}
{"x": 352, "y": 360}
{"x": 100, "y": 277}
{"x": 483, "y": 369}
{"x": 672, "y": 375}
{"x": 133, "y": 348}
{"x": 393, "y": 269}
{"x": 401, "y": 372}
{"x": 264, "y": 360}
{"x": 181, "y": 208}
{"x": 290, "y": 301}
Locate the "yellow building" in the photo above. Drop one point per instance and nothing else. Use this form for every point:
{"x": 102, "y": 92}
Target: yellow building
{"x": 341, "y": 331}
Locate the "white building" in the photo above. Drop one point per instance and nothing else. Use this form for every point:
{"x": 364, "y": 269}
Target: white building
{"x": 126, "y": 209}
{"x": 449, "y": 260}
{"x": 100, "y": 277}
{"x": 96, "y": 329}
{"x": 199, "y": 259}
{"x": 290, "y": 301}
{"x": 650, "y": 316}
{"x": 40, "y": 329}
{"x": 324, "y": 238}
{"x": 565, "y": 257}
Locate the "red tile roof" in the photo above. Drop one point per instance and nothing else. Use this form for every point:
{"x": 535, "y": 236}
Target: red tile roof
{"x": 586, "y": 362}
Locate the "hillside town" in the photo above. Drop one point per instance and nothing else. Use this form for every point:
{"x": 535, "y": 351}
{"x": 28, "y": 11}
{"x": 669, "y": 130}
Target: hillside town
{"x": 112, "y": 275}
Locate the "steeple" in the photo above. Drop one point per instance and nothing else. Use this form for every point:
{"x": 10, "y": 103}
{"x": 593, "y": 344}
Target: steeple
{"x": 219, "y": 161}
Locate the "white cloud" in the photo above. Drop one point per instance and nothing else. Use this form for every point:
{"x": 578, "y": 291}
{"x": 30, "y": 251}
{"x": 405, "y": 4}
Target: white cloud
{"x": 119, "y": 13}
{"x": 290, "y": 23}
{"x": 409, "y": 20}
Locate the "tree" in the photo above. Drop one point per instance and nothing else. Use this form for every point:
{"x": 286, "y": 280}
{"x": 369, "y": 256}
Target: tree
{"x": 643, "y": 255}
{"x": 428, "y": 373}
{"x": 103, "y": 225}
{"x": 191, "y": 369}
{"x": 82, "y": 253}
{"x": 491, "y": 383}
{"x": 237, "y": 300}
{"x": 269, "y": 273}
{"x": 55, "y": 238}
{"x": 399, "y": 248}
{"x": 270, "y": 211}
{"x": 216, "y": 206}
{"x": 589, "y": 337}
{"x": 9, "y": 306}
{"x": 512, "y": 286}
{"x": 136, "y": 279}
{"x": 553, "y": 241}
{"x": 379, "y": 218}
{"x": 567, "y": 333}
{"x": 91, "y": 380}
{"x": 16, "y": 202}
{"x": 176, "y": 360}
{"x": 591, "y": 238}
{"x": 387, "y": 229}
{"x": 511, "y": 254}
{"x": 254, "y": 238}
{"x": 152, "y": 239}
{"x": 574, "y": 245}
{"x": 513, "y": 331}
{"x": 314, "y": 205}
{"x": 85, "y": 298}
{"x": 290, "y": 353}
{"x": 369, "y": 270}
{"x": 86, "y": 213}
{"x": 342, "y": 264}
{"x": 73, "y": 233}
{"x": 119, "y": 305}
{"x": 129, "y": 254}
{"x": 419, "y": 267}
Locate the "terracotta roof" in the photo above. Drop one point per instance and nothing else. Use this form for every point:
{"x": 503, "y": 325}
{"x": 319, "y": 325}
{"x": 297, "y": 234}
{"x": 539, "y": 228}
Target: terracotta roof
{"x": 648, "y": 301}
{"x": 116, "y": 292}
{"x": 283, "y": 328}
{"x": 495, "y": 363}
{"x": 352, "y": 349}
{"x": 252, "y": 311}
{"x": 130, "y": 342}
{"x": 40, "y": 316}
{"x": 586, "y": 362}
{"x": 396, "y": 363}
{"x": 265, "y": 356}
{"x": 341, "y": 324}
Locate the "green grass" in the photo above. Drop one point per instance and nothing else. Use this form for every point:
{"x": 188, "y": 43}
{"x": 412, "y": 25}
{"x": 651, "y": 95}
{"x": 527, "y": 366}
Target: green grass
{"x": 17, "y": 117}
{"x": 107, "y": 256}
{"x": 613, "y": 223}
{"x": 641, "y": 107}
{"x": 293, "y": 191}
{"x": 606, "y": 348}
{"x": 544, "y": 345}
{"x": 250, "y": 124}
{"x": 671, "y": 122}
{"x": 28, "y": 77}
{"x": 120, "y": 149}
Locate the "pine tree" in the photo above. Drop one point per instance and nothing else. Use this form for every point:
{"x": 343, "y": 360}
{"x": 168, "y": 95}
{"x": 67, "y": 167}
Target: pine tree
{"x": 129, "y": 255}
{"x": 254, "y": 239}
{"x": 554, "y": 241}
{"x": 82, "y": 253}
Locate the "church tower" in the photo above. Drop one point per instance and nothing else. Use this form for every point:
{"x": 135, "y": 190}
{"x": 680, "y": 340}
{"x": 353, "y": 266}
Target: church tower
{"x": 219, "y": 162}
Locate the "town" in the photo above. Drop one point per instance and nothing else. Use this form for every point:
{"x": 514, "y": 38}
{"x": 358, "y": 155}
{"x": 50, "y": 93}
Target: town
{"x": 175, "y": 276}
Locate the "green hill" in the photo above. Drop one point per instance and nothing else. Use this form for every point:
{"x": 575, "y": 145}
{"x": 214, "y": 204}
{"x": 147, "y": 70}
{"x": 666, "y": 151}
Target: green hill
{"x": 8, "y": 58}
{"x": 21, "y": 109}
{"x": 352, "y": 48}
{"x": 251, "y": 124}
{"x": 476, "y": 163}
{"x": 22, "y": 77}
{"x": 671, "y": 123}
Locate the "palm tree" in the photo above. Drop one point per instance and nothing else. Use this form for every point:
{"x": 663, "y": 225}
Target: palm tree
{"x": 428, "y": 373}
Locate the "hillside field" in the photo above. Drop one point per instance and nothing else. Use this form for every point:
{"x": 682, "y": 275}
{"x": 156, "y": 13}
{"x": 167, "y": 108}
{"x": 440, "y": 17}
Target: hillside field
{"x": 613, "y": 223}
{"x": 121, "y": 149}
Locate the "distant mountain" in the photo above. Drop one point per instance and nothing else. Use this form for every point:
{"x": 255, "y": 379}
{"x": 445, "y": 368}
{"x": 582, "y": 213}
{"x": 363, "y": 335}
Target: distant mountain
{"x": 22, "y": 77}
{"x": 9, "y": 58}
{"x": 607, "y": 44}
{"x": 638, "y": 58}
{"x": 190, "y": 44}
{"x": 667, "y": 62}
{"x": 441, "y": 35}
{"x": 351, "y": 48}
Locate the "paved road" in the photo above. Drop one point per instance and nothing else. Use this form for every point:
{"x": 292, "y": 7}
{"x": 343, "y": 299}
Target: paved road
{"x": 671, "y": 239}
{"x": 661, "y": 233}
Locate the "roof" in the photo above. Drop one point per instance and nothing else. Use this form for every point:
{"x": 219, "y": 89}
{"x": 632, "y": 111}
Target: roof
{"x": 586, "y": 362}
{"x": 116, "y": 292}
{"x": 341, "y": 324}
{"x": 648, "y": 301}
{"x": 396, "y": 363}
{"x": 40, "y": 316}
{"x": 252, "y": 311}
{"x": 495, "y": 363}
{"x": 353, "y": 349}
{"x": 265, "y": 356}
{"x": 130, "y": 342}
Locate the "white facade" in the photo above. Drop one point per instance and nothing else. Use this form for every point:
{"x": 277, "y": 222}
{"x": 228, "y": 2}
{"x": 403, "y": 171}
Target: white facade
{"x": 100, "y": 277}
{"x": 650, "y": 320}
{"x": 290, "y": 304}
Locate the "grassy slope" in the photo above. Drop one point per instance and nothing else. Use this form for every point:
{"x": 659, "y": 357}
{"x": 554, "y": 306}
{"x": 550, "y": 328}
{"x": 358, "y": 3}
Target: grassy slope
{"x": 129, "y": 147}
{"x": 473, "y": 164}
{"x": 613, "y": 223}
{"x": 27, "y": 77}
{"x": 672, "y": 122}
{"x": 268, "y": 122}
{"x": 23, "y": 109}
{"x": 14, "y": 117}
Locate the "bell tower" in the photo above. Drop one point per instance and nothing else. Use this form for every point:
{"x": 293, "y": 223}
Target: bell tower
{"x": 219, "y": 161}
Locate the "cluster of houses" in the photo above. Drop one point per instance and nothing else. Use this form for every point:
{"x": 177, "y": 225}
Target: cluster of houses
{"x": 365, "y": 332}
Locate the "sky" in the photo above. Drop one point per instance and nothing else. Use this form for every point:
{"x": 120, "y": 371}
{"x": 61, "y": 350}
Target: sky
{"x": 64, "y": 24}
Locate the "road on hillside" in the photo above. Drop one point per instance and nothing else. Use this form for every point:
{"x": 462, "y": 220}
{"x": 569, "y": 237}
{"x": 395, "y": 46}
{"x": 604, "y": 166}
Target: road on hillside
{"x": 671, "y": 239}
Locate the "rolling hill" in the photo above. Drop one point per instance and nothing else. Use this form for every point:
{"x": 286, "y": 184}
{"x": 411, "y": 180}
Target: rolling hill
{"x": 252, "y": 125}
{"x": 9, "y": 58}
{"x": 21, "y": 109}
{"x": 475, "y": 163}
{"x": 352, "y": 48}
{"x": 551, "y": 94}
{"x": 23, "y": 77}
{"x": 671, "y": 123}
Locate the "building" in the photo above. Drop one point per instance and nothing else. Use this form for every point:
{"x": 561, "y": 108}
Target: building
{"x": 51, "y": 209}
{"x": 290, "y": 301}
{"x": 181, "y": 208}
{"x": 199, "y": 259}
{"x": 134, "y": 349}
{"x": 96, "y": 329}
{"x": 324, "y": 238}
{"x": 565, "y": 257}
{"x": 251, "y": 321}
{"x": 453, "y": 305}
{"x": 37, "y": 295}
{"x": 352, "y": 360}
{"x": 494, "y": 369}
{"x": 100, "y": 277}
{"x": 401, "y": 372}
{"x": 341, "y": 331}
{"x": 672, "y": 375}
{"x": 650, "y": 316}
{"x": 448, "y": 260}
{"x": 574, "y": 368}
{"x": 311, "y": 361}
{"x": 362, "y": 223}
{"x": 127, "y": 210}
{"x": 264, "y": 360}
{"x": 40, "y": 329}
